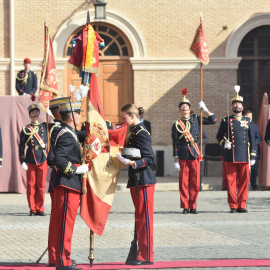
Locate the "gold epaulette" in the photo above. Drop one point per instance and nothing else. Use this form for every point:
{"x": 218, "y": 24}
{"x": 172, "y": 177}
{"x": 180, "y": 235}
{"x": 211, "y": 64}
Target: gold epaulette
{"x": 57, "y": 124}
{"x": 142, "y": 128}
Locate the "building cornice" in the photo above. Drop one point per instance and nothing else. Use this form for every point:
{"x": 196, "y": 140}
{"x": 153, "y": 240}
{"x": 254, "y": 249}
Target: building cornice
{"x": 183, "y": 63}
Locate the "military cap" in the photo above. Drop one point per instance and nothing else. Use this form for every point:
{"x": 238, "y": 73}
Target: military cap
{"x": 33, "y": 107}
{"x": 184, "y": 99}
{"x": 237, "y": 98}
{"x": 65, "y": 107}
{"x": 55, "y": 103}
{"x": 27, "y": 60}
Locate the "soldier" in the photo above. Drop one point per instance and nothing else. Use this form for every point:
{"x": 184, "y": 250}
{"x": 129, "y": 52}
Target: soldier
{"x": 236, "y": 135}
{"x": 142, "y": 193}
{"x": 26, "y": 80}
{"x": 186, "y": 143}
{"x": 67, "y": 183}
{"x": 35, "y": 161}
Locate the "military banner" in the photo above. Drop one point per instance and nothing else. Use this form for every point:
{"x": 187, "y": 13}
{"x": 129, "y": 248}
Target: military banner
{"x": 48, "y": 83}
{"x": 199, "y": 46}
{"x": 100, "y": 148}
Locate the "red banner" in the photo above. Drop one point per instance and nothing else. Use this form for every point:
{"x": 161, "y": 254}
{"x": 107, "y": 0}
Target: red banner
{"x": 48, "y": 83}
{"x": 199, "y": 46}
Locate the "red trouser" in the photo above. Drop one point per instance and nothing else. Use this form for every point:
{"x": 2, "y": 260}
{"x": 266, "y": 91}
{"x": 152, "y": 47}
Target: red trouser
{"x": 189, "y": 183}
{"x": 144, "y": 214}
{"x": 52, "y": 232}
{"x": 36, "y": 184}
{"x": 224, "y": 175}
{"x": 240, "y": 171}
{"x": 66, "y": 204}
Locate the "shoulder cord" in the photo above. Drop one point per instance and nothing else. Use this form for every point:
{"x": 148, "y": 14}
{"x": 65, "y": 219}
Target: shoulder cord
{"x": 187, "y": 129}
{"x": 24, "y": 79}
{"x": 30, "y": 134}
{"x": 142, "y": 128}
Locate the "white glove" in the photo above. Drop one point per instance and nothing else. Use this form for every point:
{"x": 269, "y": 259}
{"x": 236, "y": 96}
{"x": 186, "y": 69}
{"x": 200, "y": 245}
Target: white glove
{"x": 228, "y": 145}
{"x": 82, "y": 169}
{"x": 202, "y": 106}
{"x": 177, "y": 166}
{"x": 24, "y": 94}
{"x": 122, "y": 159}
{"x": 252, "y": 162}
{"x": 24, "y": 166}
{"x": 49, "y": 112}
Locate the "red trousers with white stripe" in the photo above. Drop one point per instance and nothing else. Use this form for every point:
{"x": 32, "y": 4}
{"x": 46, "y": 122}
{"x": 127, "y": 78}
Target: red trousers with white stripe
{"x": 189, "y": 183}
{"x": 52, "y": 232}
{"x": 36, "y": 184}
{"x": 66, "y": 204}
{"x": 144, "y": 214}
{"x": 241, "y": 171}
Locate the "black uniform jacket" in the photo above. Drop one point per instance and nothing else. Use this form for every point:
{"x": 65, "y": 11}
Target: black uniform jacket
{"x": 67, "y": 154}
{"x": 241, "y": 134}
{"x": 141, "y": 139}
{"x": 30, "y": 87}
{"x": 35, "y": 151}
{"x": 184, "y": 148}
{"x": 1, "y": 148}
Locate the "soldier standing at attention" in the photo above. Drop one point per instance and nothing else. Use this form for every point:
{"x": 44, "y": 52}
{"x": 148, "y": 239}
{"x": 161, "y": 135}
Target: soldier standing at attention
{"x": 26, "y": 80}
{"x": 186, "y": 143}
{"x": 236, "y": 135}
{"x": 67, "y": 183}
{"x": 35, "y": 161}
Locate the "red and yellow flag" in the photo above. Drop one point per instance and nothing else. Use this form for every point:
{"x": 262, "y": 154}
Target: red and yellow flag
{"x": 100, "y": 148}
{"x": 48, "y": 83}
{"x": 199, "y": 46}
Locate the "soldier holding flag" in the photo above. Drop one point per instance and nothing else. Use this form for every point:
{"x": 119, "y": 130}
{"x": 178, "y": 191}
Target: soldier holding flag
{"x": 186, "y": 149}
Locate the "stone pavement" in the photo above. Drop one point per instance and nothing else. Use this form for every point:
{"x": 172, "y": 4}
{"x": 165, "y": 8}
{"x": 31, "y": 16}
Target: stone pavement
{"x": 212, "y": 234}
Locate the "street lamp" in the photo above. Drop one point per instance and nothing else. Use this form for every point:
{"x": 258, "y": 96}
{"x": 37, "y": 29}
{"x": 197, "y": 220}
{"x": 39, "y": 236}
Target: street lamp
{"x": 100, "y": 9}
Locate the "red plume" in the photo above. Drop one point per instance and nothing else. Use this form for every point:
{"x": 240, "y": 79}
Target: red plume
{"x": 184, "y": 91}
{"x": 33, "y": 98}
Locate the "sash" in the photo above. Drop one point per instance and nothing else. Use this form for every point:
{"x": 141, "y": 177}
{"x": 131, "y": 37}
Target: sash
{"x": 189, "y": 138}
{"x": 40, "y": 141}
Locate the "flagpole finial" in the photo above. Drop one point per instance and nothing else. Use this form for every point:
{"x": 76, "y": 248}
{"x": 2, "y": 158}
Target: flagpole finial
{"x": 45, "y": 21}
{"x": 201, "y": 16}
{"x": 88, "y": 17}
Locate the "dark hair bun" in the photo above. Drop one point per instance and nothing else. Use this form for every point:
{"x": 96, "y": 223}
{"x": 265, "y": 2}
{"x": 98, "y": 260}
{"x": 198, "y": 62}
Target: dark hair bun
{"x": 141, "y": 110}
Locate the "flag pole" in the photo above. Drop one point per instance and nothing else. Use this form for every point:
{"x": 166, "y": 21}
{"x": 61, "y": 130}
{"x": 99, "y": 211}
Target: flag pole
{"x": 201, "y": 120}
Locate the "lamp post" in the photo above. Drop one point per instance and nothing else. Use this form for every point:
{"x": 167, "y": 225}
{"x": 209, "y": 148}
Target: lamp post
{"x": 100, "y": 9}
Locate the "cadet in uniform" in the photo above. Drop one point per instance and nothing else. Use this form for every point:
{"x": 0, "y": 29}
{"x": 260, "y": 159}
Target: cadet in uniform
{"x": 54, "y": 129}
{"x": 35, "y": 161}
{"x": 26, "y": 80}
{"x": 186, "y": 143}
{"x": 239, "y": 147}
{"x": 144, "y": 202}
{"x": 67, "y": 183}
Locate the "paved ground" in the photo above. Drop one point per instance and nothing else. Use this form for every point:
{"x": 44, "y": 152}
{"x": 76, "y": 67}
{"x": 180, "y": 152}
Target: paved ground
{"x": 212, "y": 234}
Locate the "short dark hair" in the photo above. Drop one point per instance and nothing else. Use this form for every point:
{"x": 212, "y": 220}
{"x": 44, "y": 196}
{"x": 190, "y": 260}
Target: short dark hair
{"x": 247, "y": 110}
{"x": 54, "y": 110}
{"x": 65, "y": 116}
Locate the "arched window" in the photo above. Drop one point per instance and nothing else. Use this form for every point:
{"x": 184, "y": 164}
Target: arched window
{"x": 115, "y": 42}
{"x": 253, "y": 74}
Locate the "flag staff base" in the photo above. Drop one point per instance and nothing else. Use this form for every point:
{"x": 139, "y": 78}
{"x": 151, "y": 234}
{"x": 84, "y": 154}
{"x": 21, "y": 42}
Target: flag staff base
{"x": 91, "y": 255}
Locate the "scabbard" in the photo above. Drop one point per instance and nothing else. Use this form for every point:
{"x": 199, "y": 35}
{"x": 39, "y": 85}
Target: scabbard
{"x": 137, "y": 179}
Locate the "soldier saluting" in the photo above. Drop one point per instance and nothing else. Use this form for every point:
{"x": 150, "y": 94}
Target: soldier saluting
{"x": 26, "y": 80}
{"x": 236, "y": 135}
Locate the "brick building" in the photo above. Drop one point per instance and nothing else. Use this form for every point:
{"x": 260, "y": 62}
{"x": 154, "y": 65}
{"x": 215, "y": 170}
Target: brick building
{"x": 147, "y": 59}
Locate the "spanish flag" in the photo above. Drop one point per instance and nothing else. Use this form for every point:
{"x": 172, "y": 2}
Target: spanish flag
{"x": 100, "y": 148}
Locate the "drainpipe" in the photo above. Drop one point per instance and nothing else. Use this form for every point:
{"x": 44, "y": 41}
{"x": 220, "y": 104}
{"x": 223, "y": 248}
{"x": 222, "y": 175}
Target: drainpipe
{"x": 12, "y": 72}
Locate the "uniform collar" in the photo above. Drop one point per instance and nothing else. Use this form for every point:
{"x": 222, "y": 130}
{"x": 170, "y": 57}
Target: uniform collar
{"x": 35, "y": 124}
{"x": 136, "y": 127}
{"x": 185, "y": 119}
{"x": 237, "y": 117}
